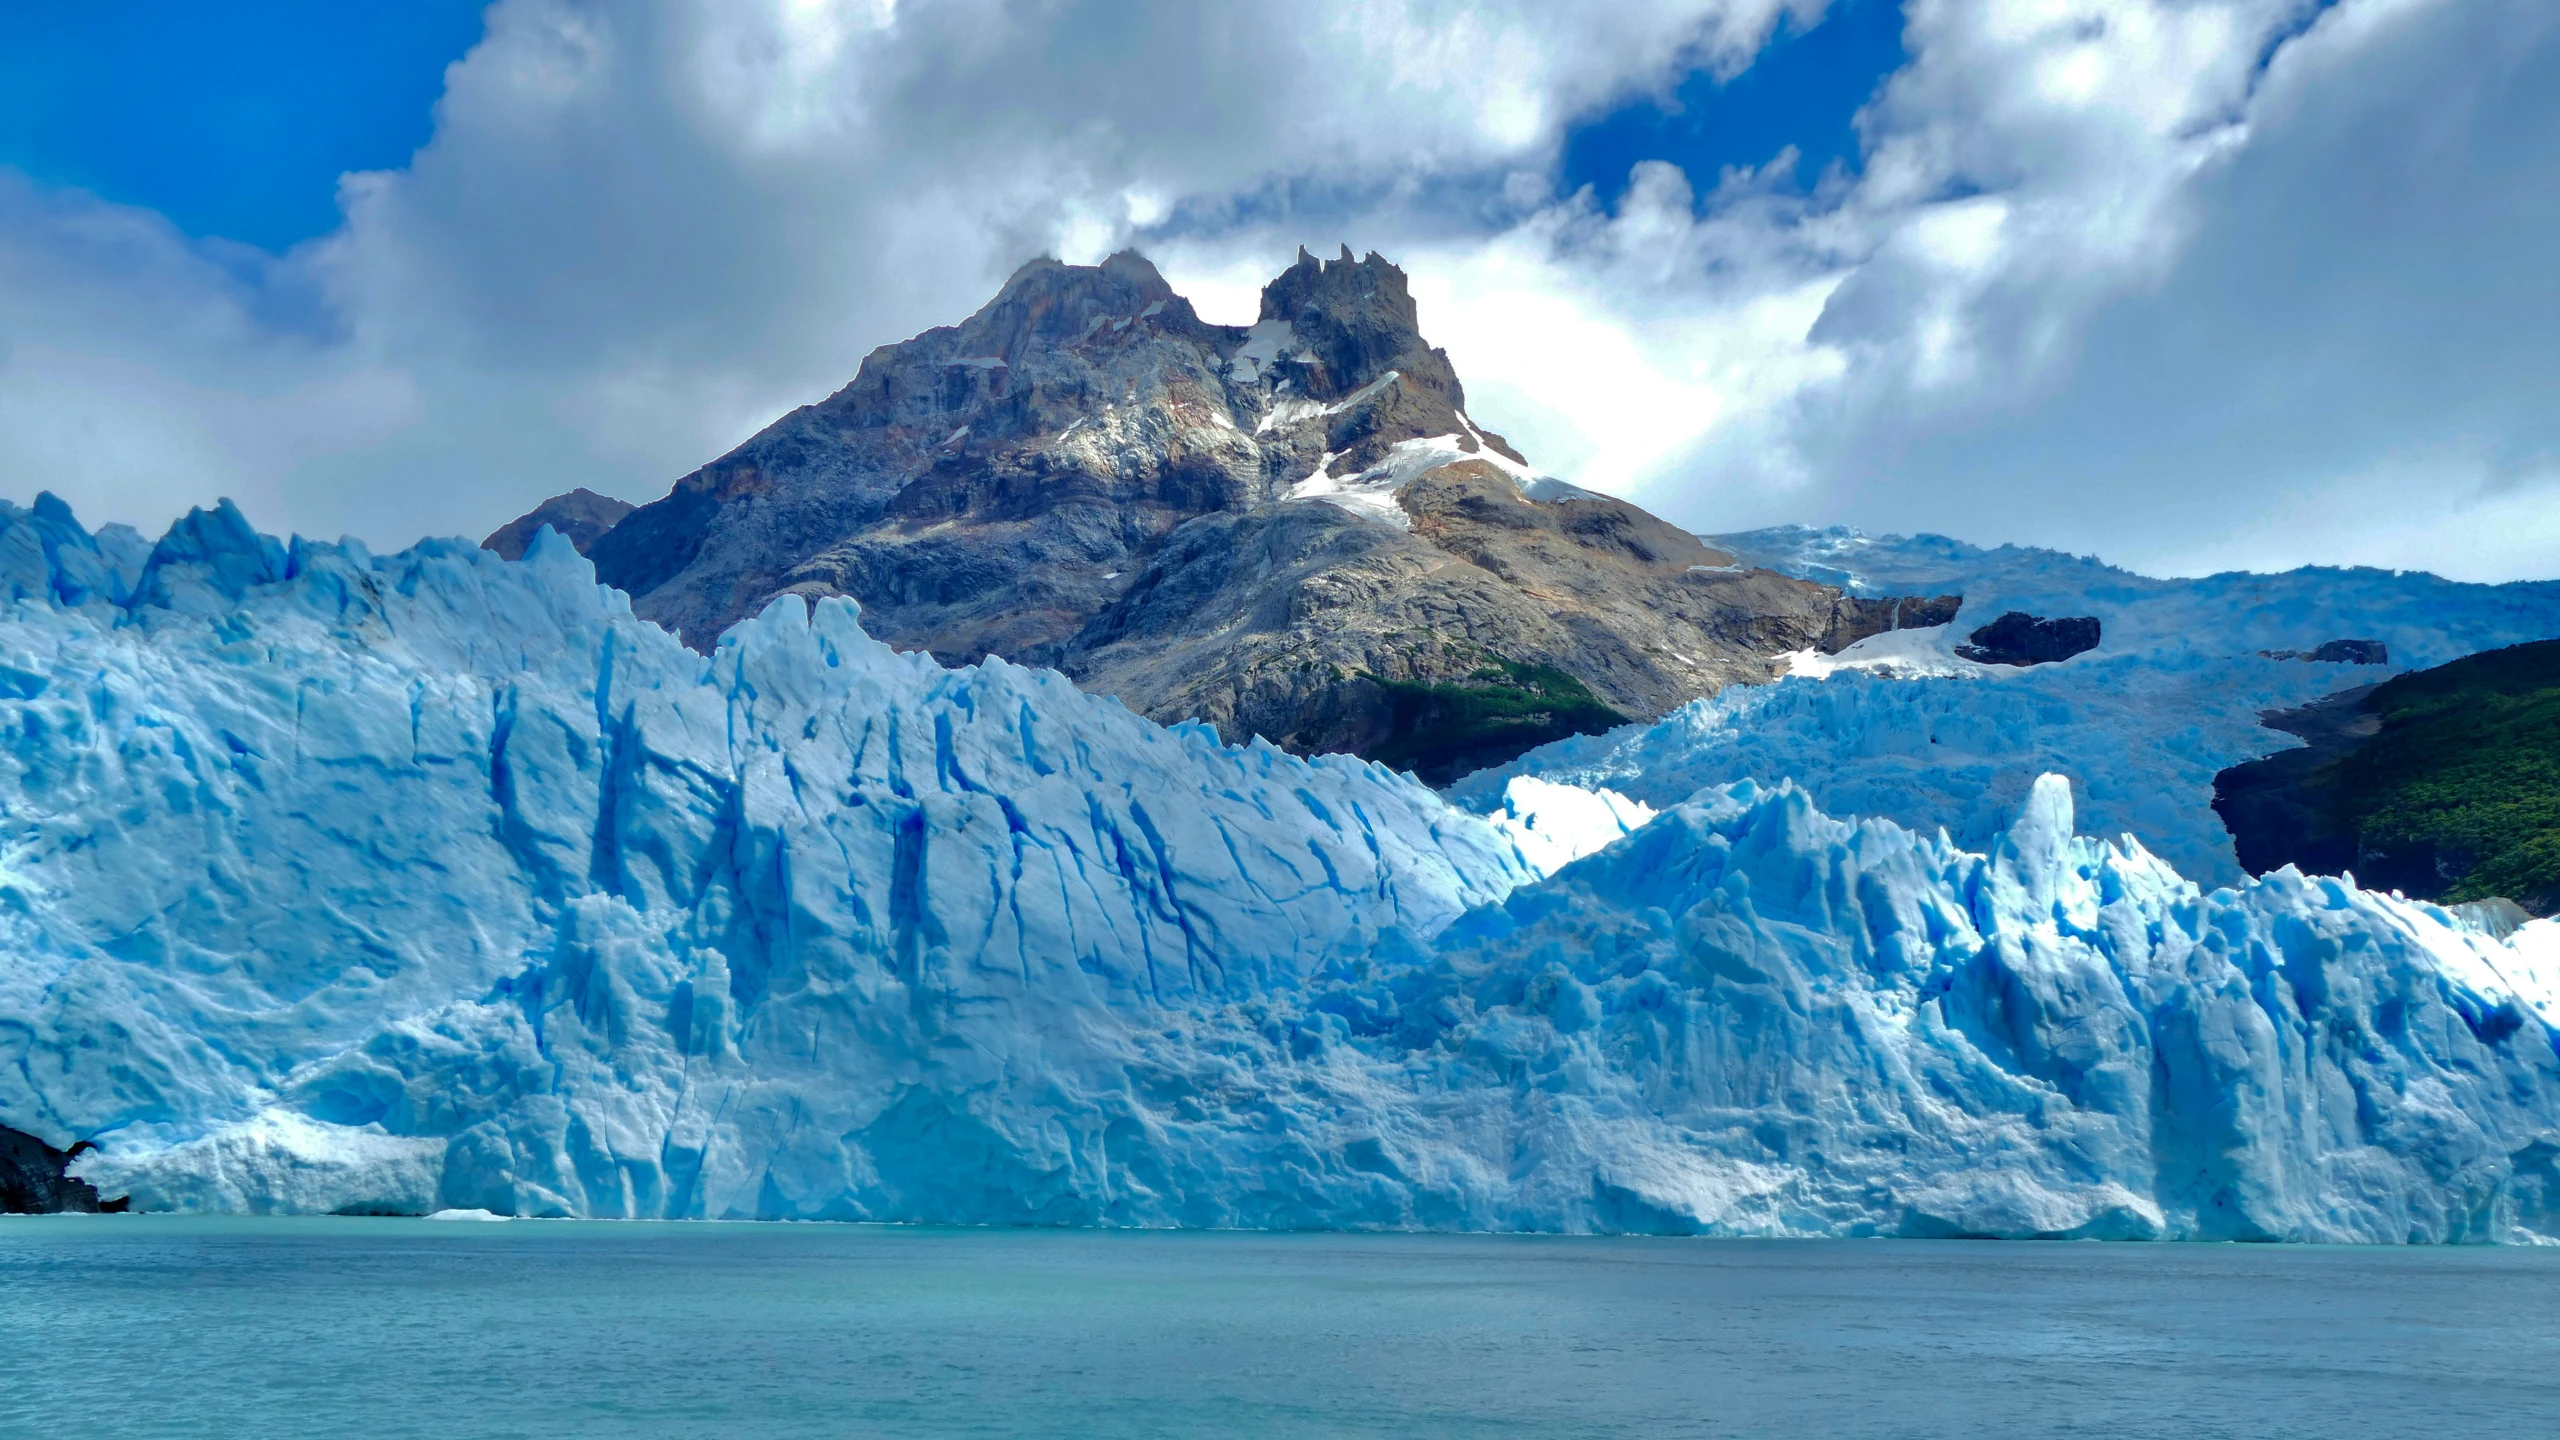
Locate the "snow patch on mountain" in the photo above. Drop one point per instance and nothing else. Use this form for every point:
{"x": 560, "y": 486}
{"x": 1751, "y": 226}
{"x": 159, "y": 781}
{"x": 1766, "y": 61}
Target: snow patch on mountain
{"x": 1920, "y": 650}
{"x": 1371, "y": 493}
{"x": 1264, "y": 345}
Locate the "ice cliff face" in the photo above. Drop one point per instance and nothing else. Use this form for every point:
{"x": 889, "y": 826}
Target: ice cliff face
{"x": 1751, "y": 1017}
{"x": 343, "y": 883}
{"x": 368, "y": 882}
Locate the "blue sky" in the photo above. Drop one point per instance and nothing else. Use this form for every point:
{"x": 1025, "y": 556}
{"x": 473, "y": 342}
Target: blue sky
{"x": 231, "y": 119}
{"x": 236, "y": 120}
{"x": 1803, "y": 90}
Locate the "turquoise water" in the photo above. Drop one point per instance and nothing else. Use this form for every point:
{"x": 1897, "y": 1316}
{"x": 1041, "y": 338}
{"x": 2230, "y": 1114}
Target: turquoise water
{"x": 169, "y": 1326}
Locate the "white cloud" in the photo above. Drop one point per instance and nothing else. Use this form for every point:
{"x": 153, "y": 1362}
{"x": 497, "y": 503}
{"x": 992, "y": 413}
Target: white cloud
{"x": 2103, "y": 280}
{"x": 641, "y": 230}
{"x": 2337, "y": 349}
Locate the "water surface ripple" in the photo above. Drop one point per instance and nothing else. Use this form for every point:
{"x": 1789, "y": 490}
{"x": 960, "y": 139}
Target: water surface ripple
{"x": 179, "y": 1326}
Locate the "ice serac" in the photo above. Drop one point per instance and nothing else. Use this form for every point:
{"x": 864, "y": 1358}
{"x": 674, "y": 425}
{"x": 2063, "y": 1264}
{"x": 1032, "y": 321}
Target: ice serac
{"x": 46, "y": 554}
{"x": 439, "y": 883}
{"x": 1266, "y": 527}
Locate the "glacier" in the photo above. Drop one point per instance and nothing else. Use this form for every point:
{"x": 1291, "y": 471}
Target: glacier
{"x": 2424, "y": 618}
{"x": 1897, "y": 726}
{"x": 330, "y": 877}
{"x": 436, "y": 882}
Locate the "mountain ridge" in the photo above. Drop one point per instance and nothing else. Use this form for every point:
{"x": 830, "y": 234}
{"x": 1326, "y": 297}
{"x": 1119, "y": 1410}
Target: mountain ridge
{"x": 1269, "y": 528}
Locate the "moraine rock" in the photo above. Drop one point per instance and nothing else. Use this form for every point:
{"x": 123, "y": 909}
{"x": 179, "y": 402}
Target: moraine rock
{"x": 1279, "y": 528}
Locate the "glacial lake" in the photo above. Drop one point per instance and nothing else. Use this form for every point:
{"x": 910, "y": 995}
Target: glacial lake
{"x": 182, "y": 1326}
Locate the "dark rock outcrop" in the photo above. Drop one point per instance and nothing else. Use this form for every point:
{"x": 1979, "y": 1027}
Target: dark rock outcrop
{"x": 2019, "y": 638}
{"x": 1084, "y": 474}
{"x": 2443, "y": 784}
{"x": 33, "y": 1179}
{"x": 582, "y": 517}
{"x": 2338, "y": 652}
{"x": 2272, "y": 806}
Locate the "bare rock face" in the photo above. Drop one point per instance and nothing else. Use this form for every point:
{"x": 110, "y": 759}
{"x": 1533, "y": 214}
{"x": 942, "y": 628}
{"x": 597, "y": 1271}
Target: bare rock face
{"x": 1855, "y": 618}
{"x": 984, "y": 488}
{"x": 35, "y": 1179}
{"x": 581, "y": 516}
{"x": 1305, "y": 623}
{"x": 1084, "y": 474}
{"x": 2020, "y": 639}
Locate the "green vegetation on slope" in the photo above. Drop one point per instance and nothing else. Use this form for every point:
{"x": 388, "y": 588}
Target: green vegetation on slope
{"x": 2462, "y": 782}
{"x": 1443, "y": 730}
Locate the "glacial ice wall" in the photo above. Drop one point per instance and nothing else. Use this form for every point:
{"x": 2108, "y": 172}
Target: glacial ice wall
{"x": 337, "y": 882}
{"x": 433, "y": 881}
{"x": 1749, "y": 1017}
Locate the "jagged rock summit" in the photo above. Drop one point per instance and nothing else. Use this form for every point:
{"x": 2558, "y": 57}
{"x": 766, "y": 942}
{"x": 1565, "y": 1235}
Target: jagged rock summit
{"x": 1292, "y": 529}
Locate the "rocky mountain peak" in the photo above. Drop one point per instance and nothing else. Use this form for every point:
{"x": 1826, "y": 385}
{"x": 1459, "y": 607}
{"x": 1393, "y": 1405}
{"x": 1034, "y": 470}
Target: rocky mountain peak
{"x": 1344, "y": 285}
{"x": 1048, "y": 304}
{"x": 1283, "y": 528}
{"x": 1355, "y": 321}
